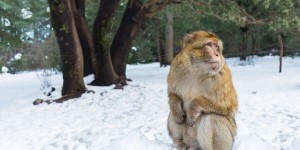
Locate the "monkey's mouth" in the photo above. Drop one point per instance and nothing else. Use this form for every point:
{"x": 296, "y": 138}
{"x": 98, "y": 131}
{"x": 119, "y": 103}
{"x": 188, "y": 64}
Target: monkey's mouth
{"x": 213, "y": 64}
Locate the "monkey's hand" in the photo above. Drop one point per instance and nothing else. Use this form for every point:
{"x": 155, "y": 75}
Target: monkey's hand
{"x": 192, "y": 116}
{"x": 179, "y": 116}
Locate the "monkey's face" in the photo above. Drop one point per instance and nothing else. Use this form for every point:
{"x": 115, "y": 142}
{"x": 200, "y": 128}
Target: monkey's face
{"x": 204, "y": 51}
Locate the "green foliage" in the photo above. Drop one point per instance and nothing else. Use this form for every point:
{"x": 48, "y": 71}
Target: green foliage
{"x": 25, "y": 28}
{"x": 263, "y": 18}
{"x": 23, "y": 21}
{"x": 91, "y": 11}
{"x": 36, "y": 56}
{"x": 16, "y": 65}
{"x": 145, "y": 43}
{"x": 133, "y": 57}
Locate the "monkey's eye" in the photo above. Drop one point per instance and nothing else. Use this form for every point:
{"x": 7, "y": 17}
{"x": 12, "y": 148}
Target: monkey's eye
{"x": 217, "y": 46}
{"x": 209, "y": 44}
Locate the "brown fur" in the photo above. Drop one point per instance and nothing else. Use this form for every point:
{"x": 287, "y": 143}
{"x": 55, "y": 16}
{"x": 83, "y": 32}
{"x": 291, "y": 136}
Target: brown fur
{"x": 201, "y": 93}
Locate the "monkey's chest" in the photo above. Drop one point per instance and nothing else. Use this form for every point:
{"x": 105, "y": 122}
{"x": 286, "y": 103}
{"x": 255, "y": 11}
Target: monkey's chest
{"x": 189, "y": 90}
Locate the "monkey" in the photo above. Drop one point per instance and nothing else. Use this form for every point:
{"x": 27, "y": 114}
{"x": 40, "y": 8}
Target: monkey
{"x": 202, "y": 98}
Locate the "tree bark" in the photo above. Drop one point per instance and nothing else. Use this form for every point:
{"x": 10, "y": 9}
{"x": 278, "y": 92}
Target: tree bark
{"x": 70, "y": 49}
{"x": 281, "y": 51}
{"x": 121, "y": 46}
{"x": 160, "y": 49}
{"x": 85, "y": 37}
{"x": 254, "y": 44}
{"x": 135, "y": 14}
{"x": 244, "y": 46}
{"x": 169, "y": 38}
{"x": 102, "y": 38}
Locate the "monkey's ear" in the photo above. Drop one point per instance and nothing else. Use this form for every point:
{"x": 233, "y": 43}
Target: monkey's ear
{"x": 188, "y": 39}
{"x": 211, "y": 35}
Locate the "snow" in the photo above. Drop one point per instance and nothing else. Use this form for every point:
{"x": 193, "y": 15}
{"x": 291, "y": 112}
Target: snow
{"x": 134, "y": 48}
{"x": 135, "y": 118}
{"x": 140, "y": 143}
{"x": 18, "y": 56}
{"x": 4, "y": 69}
{"x": 295, "y": 144}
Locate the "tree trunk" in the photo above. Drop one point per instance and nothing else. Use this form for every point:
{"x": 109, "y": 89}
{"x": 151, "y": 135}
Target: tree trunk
{"x": 70, "y": 49}
{"x": 281, "y": 51}
{"x": 101, "y": 38}
{"x": 85, "y": 37}
{"x": 244, "y": 46}
{"x": 123, "y": 40}
{"x": 254, "y": 44}
{"x": 160, "y": 50}
{"x": 169, "y": 38}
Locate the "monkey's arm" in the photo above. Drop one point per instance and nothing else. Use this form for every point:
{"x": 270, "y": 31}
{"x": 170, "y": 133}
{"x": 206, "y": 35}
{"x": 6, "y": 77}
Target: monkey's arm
{"x": 203, "y": 104}
{"x": 177, "y": 112}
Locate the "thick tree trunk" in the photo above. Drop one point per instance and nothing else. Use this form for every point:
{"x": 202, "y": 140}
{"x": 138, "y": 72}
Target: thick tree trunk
{"x": 135, "y": 14}
{"x": 85, "y": 37}
{"x": 281, "y": 51}
{"x": 244, "y": 46}
{"x": 123, "y": 40}
{"x": 169, "y": 38}
{"x": 70, "y": 49}
{"x": 101, "y": 37}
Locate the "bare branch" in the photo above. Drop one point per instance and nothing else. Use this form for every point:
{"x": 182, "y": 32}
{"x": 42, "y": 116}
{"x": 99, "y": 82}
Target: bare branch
{"x": 249, "y": 17}
{"x": 197, "y": 3}
{"x": 153, "y": 7}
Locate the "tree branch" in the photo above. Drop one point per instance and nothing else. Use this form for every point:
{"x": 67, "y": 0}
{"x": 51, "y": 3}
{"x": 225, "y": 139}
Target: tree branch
{"x": 155, "y": 6}
{"x": 250, "y": 19}
{"x": 202, "y": 3}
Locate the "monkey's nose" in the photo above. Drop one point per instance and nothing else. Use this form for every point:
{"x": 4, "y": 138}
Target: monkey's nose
{"x": 217, "y": 53}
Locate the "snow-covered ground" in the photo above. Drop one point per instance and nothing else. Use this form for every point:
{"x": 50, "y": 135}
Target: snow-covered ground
{"x": 135, "y": 118}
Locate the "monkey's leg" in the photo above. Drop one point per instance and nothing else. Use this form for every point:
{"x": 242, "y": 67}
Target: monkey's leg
{"x": 176, "y": 133}
{"x": 176, "y": 108}
{"x": 202, "y": 104}
{"x": 215, "y": 132}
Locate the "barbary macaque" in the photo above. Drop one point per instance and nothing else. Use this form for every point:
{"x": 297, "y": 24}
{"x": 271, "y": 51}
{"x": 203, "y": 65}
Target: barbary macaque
{"x": 202, "y": 99}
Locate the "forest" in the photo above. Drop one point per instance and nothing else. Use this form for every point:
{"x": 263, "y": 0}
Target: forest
{"x": 247, "y": 28}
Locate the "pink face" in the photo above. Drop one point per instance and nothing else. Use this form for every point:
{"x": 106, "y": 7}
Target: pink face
{"x": 213, "y": 58}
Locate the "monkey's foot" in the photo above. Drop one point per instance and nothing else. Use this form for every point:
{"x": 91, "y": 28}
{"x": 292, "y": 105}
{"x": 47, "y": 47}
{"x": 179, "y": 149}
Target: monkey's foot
{"x": 194, "y": 148}
{"x": 178, "y": 144}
